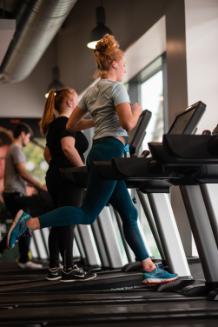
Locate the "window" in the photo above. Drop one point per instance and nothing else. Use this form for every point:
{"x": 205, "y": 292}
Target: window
{"x": 152, "y": 99}
{"x": 36, "y": 163}
{"x": 148, "y": 89}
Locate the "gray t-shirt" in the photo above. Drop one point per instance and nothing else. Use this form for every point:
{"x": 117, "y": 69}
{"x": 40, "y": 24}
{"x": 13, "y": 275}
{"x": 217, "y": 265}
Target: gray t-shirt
{"x": 13, "y": 182}
{"x": 100, "y": 101}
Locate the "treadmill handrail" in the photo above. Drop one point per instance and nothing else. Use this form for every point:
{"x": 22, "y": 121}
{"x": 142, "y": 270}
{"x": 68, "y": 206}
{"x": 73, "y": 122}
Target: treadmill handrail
{"x": 137, "y": 135}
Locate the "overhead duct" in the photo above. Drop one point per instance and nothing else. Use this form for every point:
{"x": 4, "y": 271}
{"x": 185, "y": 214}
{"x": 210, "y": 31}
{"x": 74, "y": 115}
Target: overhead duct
{"x": 7, "y": 30}
{"x": 37, "y": 25}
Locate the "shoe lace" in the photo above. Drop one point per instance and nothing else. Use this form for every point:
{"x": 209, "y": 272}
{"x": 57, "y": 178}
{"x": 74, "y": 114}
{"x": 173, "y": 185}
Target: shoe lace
{"x": 78, "y": 269}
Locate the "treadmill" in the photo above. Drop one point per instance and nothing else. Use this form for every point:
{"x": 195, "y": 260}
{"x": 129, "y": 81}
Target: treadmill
{"x": 26, "y": 301}
{"x": 195, "y": 159}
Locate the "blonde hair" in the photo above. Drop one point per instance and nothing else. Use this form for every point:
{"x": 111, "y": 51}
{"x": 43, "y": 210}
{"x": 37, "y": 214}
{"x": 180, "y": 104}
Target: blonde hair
{"x": 107, "y": 50}
{"x": 52, "y": 104}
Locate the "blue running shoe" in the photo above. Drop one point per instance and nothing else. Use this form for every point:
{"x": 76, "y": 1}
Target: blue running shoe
{"x": 17, "y": 228}
{"x": 158, "y": 276}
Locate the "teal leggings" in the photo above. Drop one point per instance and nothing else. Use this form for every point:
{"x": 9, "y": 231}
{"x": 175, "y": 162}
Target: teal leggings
{"x": 99, "y": 193}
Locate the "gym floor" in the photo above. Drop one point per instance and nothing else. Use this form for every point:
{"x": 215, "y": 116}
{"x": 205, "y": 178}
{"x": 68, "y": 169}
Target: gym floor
{"x": 114, "y": 298}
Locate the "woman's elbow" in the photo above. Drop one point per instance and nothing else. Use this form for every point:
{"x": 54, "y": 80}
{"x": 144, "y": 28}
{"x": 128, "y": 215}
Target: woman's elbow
{"x": 128, "y": 126}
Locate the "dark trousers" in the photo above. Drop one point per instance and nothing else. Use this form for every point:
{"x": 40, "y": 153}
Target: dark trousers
{"x": 63, "y": 192}
{"x": 35, "y": 204}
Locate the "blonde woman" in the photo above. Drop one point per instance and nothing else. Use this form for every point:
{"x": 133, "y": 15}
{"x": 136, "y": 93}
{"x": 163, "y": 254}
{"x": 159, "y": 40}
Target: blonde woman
{"x": 114, "y": 117}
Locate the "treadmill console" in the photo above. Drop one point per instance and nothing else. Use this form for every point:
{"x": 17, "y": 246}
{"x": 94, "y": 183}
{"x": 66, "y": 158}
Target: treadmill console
{"x": 186, "y": 122}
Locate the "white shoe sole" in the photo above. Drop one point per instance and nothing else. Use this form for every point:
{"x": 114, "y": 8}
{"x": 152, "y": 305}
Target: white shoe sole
{"x": 153, "y": 281}
{"x": 51, "y": 279}
{"x": 78, "y": 280}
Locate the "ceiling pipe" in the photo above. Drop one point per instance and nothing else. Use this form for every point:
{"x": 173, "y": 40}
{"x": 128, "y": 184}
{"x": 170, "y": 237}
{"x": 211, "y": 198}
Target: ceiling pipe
{"x": 37, "y": 24}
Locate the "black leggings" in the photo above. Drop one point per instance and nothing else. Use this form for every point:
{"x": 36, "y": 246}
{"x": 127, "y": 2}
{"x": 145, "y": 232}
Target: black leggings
{"x": 63, "y": 192}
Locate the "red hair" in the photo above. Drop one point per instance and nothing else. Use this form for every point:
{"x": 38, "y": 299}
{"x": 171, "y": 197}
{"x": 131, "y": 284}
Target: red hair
{"x": 107, "y": 50}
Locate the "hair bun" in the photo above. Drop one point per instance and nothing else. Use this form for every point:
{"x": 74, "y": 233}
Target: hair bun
{"x": 107, "y": 43}
{"x": 107, "y": 50}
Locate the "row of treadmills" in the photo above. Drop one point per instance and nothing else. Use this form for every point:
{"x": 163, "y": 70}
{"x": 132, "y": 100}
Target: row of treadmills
{"x": 117, "y": 297}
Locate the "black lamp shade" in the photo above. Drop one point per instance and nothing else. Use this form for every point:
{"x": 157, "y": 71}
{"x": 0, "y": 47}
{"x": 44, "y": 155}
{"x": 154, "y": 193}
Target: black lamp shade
{"x": 100, "y": 30}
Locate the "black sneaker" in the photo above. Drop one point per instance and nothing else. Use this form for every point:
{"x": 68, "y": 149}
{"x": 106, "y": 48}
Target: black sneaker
{"x": 77, "y": 274}
{"x": 54, "y": 274}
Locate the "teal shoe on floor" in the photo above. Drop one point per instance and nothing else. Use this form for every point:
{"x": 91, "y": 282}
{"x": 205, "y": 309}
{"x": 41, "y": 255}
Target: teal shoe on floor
{"x": 158, "y": 276}
{"x": 17, "y": 228}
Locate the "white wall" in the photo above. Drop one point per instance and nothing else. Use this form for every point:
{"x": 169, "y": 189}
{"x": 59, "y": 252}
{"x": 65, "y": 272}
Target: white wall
{"x": 147, "y": 48}
{"x": 202, "y": 57}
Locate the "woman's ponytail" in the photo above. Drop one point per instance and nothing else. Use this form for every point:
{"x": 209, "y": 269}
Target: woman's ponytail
{"x": 49, "y": 112}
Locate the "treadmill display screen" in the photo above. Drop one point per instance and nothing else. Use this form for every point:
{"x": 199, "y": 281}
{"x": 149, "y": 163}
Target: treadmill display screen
{"x": 186, "y": 122}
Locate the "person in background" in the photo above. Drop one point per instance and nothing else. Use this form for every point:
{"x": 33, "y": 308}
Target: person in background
{"x": 6, "y": 139}
{"x": 108, "y": 103}
{"x": 15, "y": 196}
{"x": 64, "y": 149}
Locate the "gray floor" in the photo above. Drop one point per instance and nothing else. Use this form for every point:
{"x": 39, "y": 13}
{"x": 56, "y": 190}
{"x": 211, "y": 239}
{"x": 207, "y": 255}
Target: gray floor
{"x": 113, "y": 299}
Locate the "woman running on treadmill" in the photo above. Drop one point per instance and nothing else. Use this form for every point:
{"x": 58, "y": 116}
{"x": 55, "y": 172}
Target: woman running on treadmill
{"x": 108, "y": 103}
{"x": 63, "y": 149}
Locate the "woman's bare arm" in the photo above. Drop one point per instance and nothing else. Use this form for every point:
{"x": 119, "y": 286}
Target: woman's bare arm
{"x": 84, "y": 124}
{"x": 128, "y": 115}
{"x": 68, "y": 147}
{"x": 77, "y": 123}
